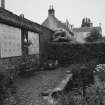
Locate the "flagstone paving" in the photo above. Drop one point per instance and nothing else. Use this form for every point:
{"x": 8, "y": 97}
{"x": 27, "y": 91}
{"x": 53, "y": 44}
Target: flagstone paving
{"x": 29, "y": 89}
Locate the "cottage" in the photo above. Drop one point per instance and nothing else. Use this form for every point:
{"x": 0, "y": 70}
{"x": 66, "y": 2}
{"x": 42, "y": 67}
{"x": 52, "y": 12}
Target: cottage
{"x": 15, "y": 33}
{"x": 21, "y": 40}
{"x": 55, "y": 24}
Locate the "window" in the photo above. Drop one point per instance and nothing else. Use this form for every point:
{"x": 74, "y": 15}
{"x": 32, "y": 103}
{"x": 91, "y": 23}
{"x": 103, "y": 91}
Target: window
{"x": 24, "y": 37}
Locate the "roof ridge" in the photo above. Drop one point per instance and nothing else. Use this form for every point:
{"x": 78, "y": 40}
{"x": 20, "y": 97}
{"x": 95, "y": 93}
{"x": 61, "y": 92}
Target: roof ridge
{"x": 10, "y": 18}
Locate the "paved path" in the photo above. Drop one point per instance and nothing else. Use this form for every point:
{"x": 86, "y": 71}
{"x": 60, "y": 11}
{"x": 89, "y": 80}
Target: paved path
{"x": 59, "y": 87}
{"x": 29, "y": 89}
{"x": 63, "y": 82}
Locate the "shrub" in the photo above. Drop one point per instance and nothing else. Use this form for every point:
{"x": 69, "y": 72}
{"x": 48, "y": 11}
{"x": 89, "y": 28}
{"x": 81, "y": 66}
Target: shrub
{"x": 94, "y": 36}
{"x": 7, "y": 87}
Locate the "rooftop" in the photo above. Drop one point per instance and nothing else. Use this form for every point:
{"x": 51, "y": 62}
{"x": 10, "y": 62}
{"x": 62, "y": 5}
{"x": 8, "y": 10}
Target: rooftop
{"x": 53, "y": 23}
{"x": 87, "y": 29}
{"x": 12, "y": 19}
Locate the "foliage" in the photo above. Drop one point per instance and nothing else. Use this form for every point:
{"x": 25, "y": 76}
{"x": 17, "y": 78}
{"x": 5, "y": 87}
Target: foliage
{"x": 61, "y": 35}
{"x": 94, "y": 96}
{"x": 76, "y": 53}
{"x": 94, "y": 36}
{"x": 6, "y": 88}
{"x": 100, "y": 71}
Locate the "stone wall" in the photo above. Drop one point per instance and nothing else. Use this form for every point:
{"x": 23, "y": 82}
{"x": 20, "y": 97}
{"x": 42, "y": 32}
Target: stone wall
{"x": 45, "y": 37}
{"x": 7, "y": 64}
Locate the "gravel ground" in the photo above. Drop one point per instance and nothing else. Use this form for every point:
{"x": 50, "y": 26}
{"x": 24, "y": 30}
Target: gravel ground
{"x": 29, "y": 89}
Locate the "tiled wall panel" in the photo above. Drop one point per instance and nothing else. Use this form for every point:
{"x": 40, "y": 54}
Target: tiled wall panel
{"x": 10, "y": 40}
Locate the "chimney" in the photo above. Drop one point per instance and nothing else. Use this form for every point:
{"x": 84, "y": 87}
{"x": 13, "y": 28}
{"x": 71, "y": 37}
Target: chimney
{"x": 3, "y": 4}
{"x": 22, "y": 16}
{"x": 51, "y": 11}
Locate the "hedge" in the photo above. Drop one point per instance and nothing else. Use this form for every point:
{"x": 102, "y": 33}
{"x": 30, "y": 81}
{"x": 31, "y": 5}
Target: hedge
{"x": 75, "y": 53}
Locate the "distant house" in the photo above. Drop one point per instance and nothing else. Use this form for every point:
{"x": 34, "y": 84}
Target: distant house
{"x": 84, "y": 31}
{"x": 77, "y": 34}
{"x": 55, "y": 24}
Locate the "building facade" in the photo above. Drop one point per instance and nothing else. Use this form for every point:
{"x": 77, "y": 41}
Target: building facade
{"x": 21, "y": 40}
{"x": 55, "y": 24}
{"x": 81, "y": 33}
{"x": 76, "y": 34}
{"x": 15, "y": 34}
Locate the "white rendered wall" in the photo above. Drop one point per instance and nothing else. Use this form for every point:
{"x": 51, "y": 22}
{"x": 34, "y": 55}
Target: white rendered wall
{"x": 81, "y": 36}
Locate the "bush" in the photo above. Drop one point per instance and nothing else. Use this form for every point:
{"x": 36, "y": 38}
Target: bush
{"x": 7, "y": 87}
{"x": 94, "y": 96}
{"x": 94, "y": 36}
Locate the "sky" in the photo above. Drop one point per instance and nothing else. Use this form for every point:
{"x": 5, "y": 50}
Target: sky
{"x": 73, "y": 10}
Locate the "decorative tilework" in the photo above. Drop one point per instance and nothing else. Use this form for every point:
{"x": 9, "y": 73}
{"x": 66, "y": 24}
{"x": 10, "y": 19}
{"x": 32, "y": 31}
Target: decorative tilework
{"x": 10, "y": 38}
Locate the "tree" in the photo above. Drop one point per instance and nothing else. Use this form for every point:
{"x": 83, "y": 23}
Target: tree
{"x": 94, "y": 36}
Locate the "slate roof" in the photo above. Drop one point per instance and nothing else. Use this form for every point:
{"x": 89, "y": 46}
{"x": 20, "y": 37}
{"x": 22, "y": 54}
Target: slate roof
{"x": 12, "y": 19}
{"x": 53, "y": 23}
{"x": 87, "y": 29}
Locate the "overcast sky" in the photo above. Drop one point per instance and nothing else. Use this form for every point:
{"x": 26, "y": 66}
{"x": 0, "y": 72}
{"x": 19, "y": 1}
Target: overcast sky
{"x": 73, "y": 10}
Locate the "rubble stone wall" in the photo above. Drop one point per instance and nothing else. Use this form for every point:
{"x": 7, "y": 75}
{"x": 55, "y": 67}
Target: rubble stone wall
{"x": 12, "y": 62}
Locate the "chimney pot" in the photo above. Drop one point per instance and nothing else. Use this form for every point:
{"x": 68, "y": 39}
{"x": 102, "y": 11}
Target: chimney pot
{"x": 22, "y": 15}
{"x": 51, "y": 11}
{"x": 3, "y": 4}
